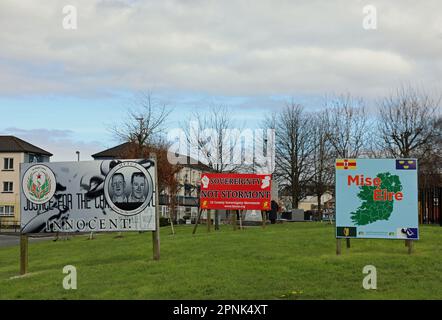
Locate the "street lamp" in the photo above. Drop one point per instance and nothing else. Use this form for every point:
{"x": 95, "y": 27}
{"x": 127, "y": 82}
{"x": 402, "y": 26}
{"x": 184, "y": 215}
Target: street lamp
{"x": 78, "y": 155}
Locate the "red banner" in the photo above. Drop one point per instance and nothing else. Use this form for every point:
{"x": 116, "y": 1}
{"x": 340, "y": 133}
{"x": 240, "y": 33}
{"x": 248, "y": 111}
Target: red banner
{"x": 230, "y": 191}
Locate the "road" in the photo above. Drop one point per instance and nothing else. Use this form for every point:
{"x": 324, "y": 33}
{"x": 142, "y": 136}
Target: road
{"x": 14, "y": 240}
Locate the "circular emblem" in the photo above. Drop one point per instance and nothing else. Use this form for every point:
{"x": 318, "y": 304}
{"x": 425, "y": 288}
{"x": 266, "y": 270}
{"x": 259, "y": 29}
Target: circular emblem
{"x": 39, "y": 184}
{"x": 128, "y": 188}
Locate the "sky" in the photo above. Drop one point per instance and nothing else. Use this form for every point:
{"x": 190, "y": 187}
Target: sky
{"x": 62, "y": 89}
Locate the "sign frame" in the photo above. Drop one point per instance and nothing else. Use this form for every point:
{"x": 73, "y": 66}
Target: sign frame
{"x": 383, "y": 228}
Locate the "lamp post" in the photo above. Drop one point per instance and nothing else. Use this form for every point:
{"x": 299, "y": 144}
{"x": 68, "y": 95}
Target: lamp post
{"x": 78, "y": 155}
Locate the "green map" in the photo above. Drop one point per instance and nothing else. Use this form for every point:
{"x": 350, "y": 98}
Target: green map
{"x": 370, "y": 210}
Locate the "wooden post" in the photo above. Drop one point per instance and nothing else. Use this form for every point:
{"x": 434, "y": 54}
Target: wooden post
{"x": 338, "y": 246}
{"x": 208, "y": 220}
{"x": 264, "y": 220}
{"x": 156, "y": 233}
{"x": 410, "y": 246}
{"x": 216, "y": 220}
{"x": 348, "y": 243}
{"x": 234, "y": 220}
{"x": 197, "y": 220}
{"x": 240, "y": 219}
{"x": 23, "y": 254}
{"x": 406, "y": 243}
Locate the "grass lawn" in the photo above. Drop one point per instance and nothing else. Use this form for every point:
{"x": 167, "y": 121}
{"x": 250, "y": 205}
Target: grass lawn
{"x": 285, "y": 261}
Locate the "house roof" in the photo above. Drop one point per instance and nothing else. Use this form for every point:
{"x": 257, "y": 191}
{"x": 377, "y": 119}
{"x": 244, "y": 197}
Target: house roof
{"x": 114, "y": 152}
{"x": 125, "y": 148}
{"x": 14, "y": 144}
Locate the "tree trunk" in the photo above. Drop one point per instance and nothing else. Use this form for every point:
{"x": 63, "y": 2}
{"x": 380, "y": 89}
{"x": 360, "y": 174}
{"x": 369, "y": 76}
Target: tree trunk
{"x": 319, "y": 207}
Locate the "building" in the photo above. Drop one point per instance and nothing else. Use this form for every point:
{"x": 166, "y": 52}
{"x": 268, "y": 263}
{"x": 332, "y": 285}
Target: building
{"x": 311, "y": 202}
{"x": 14, "y": 151}
{"x": 188, "y": 179}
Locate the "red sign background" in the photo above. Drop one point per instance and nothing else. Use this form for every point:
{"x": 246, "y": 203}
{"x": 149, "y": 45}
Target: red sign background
{"x": 230, "y": 191}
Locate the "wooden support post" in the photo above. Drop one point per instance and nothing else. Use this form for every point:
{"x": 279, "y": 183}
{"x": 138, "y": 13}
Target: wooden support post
{"x": 23, "y": 254}
{"x": 264, "y": 220}
{"x": 209, "y": 222}
{"x": 216, "y": 220}
{"x": 156, "y": 233}
{"x": 197, "y": 220}
{"x": 240, "y": 219}
{"x": 338, "y": 246}
{"x": 234, "y": 220}
{"x": 406, "y": 243}
{"x": 410, "y": 246}
{"x": 348, "y": 243}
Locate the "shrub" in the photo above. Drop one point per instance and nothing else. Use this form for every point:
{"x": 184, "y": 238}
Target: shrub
{"x": 164, "y": 222}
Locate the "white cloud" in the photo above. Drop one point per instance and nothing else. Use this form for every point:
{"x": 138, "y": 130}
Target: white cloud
{"x": 218, "y": 47}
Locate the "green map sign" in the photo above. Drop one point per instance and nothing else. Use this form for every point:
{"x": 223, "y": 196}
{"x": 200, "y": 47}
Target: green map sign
{"x": 376, "y": 198}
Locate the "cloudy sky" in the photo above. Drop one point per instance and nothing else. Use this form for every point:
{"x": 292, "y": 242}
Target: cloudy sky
{"x": 62, "y": 88}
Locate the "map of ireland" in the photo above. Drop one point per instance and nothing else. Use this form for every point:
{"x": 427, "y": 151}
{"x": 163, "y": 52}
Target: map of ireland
{"x": 375, "y": 203}
{"x": 377, "y": 198}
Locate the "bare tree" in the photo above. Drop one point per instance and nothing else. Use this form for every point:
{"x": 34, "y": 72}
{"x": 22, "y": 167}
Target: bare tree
{"x": 406, "y": 123}
{"x": 143, "y": 130}
{"x": 293, "y": 149}
{"x": 430, "y": 167}
{"x": 348, "y": 126}
{"x": 145, "y": 122}
{"x": 214, "y": 140}
{"x": 322, "y": 164}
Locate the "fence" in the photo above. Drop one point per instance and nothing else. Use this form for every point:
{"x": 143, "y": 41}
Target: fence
{"x": 430, "y": 200}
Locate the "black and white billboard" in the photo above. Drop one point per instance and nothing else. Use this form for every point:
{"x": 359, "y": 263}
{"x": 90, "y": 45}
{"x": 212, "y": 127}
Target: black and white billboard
{"x": 109, "y": 195}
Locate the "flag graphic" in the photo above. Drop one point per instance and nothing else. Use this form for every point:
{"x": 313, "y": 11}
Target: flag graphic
{"x": 348, "y": 232}
{"x": 406, "y": 164}
{"x": 346, "y": 164}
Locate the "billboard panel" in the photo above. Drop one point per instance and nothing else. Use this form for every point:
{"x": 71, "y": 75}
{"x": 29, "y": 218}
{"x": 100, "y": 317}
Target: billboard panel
{"x": 231, "y": 191}
{"x": 109, "y": 195}
{"x": 377, "y": 198}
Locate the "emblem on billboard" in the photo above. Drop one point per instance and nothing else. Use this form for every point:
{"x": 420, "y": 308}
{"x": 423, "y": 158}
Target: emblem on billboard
{"x": 39, "y": 184}
{"x": 205, "y": 182}
{"x": 266, "y": 182}
{"x": 346, "y": 232}
{"x": 346, "y": 164}
{"x": 407, "y": 233}
{"x": 128, "y": 188}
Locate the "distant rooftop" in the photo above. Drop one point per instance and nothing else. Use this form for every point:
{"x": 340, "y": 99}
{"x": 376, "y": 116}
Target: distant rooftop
{"x": 14, "y": 144}
{"x": 125, "y": 148}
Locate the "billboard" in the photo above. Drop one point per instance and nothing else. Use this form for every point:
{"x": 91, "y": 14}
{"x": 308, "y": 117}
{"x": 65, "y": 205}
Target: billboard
{"x": 109, "y": 195}
{"x": 377, "y": 198}
{"x": 231, "y": 191}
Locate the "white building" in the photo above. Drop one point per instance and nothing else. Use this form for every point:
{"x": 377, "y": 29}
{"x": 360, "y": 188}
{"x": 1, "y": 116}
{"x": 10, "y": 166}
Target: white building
{"x": 14, "y": 151}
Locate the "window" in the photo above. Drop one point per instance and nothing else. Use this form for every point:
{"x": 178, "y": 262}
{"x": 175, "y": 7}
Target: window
{"x": 8, "y": 164}
{"x": 6, "y": 211}
{"x": 34, "y": 158}
{"x": 7, "y": 186}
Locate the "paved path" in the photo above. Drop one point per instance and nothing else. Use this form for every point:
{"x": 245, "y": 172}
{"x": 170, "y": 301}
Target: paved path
{"x": 14, "y": 240}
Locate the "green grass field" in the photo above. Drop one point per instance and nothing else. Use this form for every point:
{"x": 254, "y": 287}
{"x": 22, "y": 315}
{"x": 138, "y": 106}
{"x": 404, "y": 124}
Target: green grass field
{"x": 285, "y": 261}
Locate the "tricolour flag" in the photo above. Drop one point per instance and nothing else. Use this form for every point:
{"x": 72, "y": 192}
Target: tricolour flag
{"x": 346, "y": 164}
